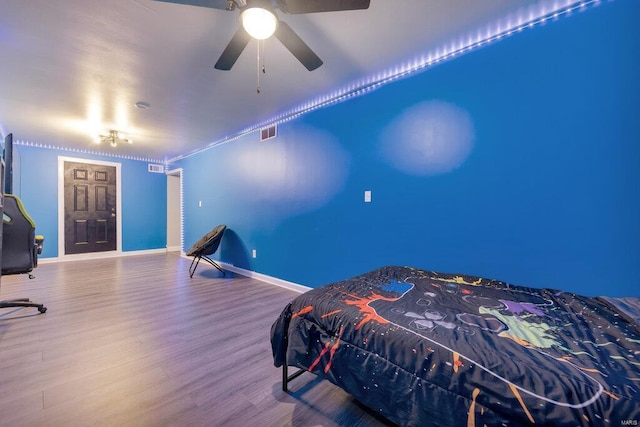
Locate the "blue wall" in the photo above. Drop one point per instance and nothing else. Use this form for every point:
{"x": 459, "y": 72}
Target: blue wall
{"x": 144, "y": 198}
{"x": 518, "y": 161}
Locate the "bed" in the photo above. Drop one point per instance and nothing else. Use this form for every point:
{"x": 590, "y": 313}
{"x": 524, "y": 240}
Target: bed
{"x": 426, "y": 348}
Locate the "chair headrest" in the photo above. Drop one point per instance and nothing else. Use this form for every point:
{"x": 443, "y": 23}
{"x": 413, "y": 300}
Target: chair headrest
{"x": 13, "y": 206}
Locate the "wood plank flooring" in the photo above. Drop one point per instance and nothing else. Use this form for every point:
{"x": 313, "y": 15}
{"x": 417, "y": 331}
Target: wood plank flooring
{"x": 133, "y": 341}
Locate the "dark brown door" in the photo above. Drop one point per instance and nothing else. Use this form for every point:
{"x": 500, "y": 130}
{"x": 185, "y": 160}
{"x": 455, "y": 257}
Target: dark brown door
{"x": 89, "y": 208}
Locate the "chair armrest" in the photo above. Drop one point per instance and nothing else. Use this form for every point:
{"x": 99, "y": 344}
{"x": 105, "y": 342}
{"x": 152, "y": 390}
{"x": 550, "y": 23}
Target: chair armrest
{"x": 39, "y": 242}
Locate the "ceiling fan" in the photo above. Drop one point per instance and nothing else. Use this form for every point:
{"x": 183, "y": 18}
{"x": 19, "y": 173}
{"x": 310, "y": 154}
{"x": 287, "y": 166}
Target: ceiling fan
{"x": 263, "y": 12}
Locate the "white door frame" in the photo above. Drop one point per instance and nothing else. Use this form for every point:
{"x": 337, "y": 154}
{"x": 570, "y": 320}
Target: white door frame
{"x": 178, "y": 172}
{"x": 118, "y": 251}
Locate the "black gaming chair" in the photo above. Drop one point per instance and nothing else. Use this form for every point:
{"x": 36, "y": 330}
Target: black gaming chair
{"x": 207, "y": 245}
{"x": 20, "y": 247}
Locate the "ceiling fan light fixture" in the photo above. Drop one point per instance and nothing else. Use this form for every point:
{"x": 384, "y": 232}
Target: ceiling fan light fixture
{"x": 259, "y": 22}
{"x": 113, "y": 138}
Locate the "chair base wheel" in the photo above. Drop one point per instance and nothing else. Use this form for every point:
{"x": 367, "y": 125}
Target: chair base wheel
{"x": 22, "y": 302}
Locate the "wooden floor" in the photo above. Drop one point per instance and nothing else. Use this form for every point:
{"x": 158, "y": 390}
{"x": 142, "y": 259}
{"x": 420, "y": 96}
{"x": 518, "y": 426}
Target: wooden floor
{"x": 133, "y": 341}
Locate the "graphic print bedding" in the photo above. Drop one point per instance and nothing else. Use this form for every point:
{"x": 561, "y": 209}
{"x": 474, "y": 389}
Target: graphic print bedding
{"x": 426, "y": 348}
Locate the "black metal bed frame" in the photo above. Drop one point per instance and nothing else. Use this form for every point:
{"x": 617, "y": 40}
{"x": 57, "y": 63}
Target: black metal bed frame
{"x": 286, "y": 378}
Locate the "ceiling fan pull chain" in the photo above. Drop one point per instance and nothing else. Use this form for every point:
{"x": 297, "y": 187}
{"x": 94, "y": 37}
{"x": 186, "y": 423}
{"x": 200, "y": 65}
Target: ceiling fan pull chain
{"x": 258, "y": 68}
{"x": 264, "y": 71}
{"x": 260, "y": 65}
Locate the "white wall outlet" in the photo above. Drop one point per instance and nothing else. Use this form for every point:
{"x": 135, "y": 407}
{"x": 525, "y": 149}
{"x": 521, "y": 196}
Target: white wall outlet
{"x": 367, "y": 196}
{"x": 199, "y": 203}
{"x": 254, "y": 254}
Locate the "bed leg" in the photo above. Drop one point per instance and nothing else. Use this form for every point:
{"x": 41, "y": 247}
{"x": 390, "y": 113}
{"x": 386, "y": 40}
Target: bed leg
{"x": 286, "y": 378}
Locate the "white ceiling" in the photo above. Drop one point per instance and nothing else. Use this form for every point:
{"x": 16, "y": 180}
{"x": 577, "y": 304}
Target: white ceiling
{"x": 71, "y": 68}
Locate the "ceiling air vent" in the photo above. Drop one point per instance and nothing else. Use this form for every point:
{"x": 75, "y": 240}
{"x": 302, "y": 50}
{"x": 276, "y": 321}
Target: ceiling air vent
{"x": 156, "y": 168}
{"x": 268, "y": 133}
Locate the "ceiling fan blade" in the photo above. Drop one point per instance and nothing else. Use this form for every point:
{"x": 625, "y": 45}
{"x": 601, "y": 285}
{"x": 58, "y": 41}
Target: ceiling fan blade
{"x": 213, "y": 4}
{"x": 297, "y": 47}
{"x": 233, "y": 50}
{"x": 311, "y": 6}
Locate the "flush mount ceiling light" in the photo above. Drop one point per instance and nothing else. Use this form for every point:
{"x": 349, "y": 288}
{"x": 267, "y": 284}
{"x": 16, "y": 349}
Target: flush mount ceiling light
{"x": 259, "y": 22}
{"x": 113, "y": 139}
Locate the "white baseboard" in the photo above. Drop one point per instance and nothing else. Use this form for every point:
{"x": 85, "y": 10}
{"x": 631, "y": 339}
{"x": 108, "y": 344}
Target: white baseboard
{"x": 264, "y": 278}
{"x": 98, "y": 255}
{"x": 174, "y": 248}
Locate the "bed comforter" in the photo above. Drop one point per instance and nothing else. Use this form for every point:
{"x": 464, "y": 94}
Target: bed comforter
{"x": 425, "y": 348}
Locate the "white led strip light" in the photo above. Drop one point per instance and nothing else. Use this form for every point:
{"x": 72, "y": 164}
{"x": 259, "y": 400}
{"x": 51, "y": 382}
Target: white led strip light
{"x": 538, "y": 14}
{"x": 541, "y": 16}
{"x": 91, "y": 152}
